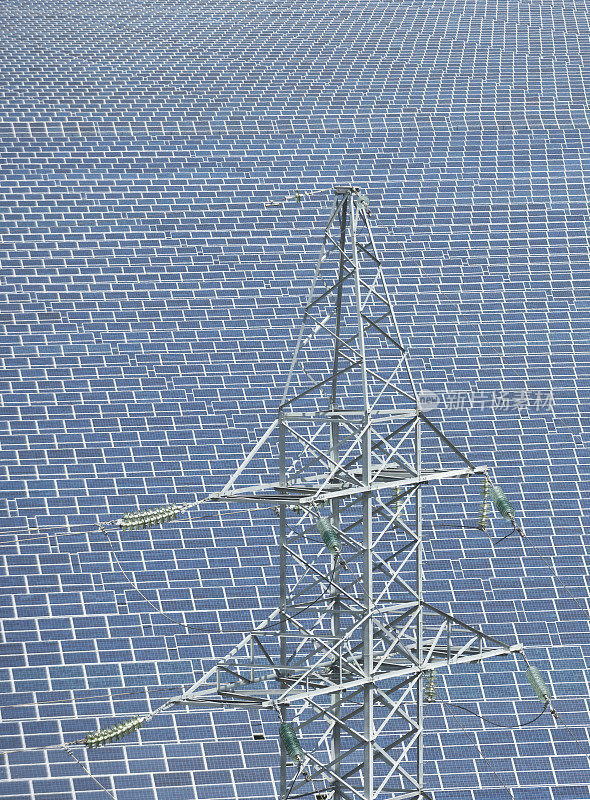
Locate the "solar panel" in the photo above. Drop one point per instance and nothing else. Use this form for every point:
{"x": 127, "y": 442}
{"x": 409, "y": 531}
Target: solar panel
{"x": 148, "y": 303}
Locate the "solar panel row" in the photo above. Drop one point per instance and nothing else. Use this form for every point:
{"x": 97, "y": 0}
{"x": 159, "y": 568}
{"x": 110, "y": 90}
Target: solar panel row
{"x": 149, "y": 298}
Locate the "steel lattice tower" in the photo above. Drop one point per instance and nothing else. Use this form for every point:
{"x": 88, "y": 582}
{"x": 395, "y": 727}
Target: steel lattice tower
{"x": 344, "y": 658}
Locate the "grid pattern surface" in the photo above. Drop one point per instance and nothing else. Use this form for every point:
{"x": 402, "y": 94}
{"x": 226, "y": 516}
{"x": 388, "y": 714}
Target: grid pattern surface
{"x": 148, "y": 299}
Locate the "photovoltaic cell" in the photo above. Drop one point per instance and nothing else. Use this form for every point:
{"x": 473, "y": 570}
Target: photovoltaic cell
{"x": 148, "y": 303}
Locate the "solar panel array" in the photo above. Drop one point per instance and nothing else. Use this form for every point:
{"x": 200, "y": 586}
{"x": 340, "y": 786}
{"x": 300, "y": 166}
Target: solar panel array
{"x": 147, "y": 319}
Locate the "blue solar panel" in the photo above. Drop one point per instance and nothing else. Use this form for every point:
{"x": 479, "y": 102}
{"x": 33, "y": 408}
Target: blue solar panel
{"x": 148, "y": 300}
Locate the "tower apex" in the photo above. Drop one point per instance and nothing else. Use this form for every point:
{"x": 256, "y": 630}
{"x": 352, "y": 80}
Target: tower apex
{"x": 346, "y": 189}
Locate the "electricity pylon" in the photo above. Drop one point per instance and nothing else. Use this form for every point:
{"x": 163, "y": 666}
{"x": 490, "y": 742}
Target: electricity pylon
{"x": 343, "y": 659}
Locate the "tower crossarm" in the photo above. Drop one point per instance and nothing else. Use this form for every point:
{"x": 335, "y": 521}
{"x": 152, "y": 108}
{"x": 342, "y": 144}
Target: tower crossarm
{"x": 257, "y": 678}
{"x": 305, "y": 494}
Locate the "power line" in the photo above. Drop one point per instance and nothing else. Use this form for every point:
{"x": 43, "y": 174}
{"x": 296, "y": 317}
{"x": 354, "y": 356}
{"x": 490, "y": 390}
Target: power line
{"x": 50, "y": 531}
{"x": 133, "y": 316}
{"x": 525, "y": 539}
{"x": 161, "y": 689}
{"x": 196, "y": 627}
{"x": 87, "y": 771}
{"x": 29, "y": 534}
{"x": 583, "y": 750}
{"x": 297, "y": 196}
{"x": 491, "y": 721}
{"x": 38, "y": 748}
{"x": 367, "y": 625}
{"x": 300, "y": 195}
{"x": 482, "y": 756}
{"x": 293, "y": 782}
{"x": 155, "y": 426}
{"x": 458, "y": 524}
{"x": 166, "y": 707}
{"x": 549, "y": 566}
{"x": 154, "y": 605}
{"x": 548, "y": 706}
{"x": 98, "y": 698}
